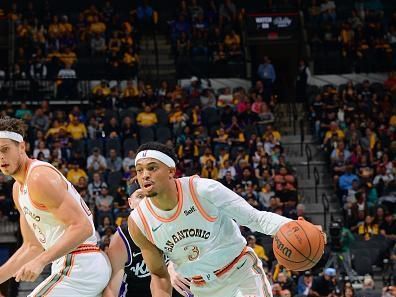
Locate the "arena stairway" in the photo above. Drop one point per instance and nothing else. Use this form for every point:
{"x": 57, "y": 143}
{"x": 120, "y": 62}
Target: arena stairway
{"x": 147, "y": 55}
{"x": 296, "y": 155}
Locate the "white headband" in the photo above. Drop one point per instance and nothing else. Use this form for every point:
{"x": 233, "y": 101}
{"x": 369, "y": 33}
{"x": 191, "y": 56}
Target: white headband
{"x": 168, "y": 161}
{"x": 11, "y": 135}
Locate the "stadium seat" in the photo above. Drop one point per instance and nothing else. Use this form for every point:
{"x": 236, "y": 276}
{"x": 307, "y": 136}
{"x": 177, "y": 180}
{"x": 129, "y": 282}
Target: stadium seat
{"x": 146, "y": 134}
{"x": 130, "y": 144}
{"x": 113, "y": 143}
{"x": 163, "y": 134}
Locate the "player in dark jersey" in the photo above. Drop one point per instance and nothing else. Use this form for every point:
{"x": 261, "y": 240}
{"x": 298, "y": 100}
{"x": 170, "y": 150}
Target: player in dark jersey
{"x": 130, "y": 276}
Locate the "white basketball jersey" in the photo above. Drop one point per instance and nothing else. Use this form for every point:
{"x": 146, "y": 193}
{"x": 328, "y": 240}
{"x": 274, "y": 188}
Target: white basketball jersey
{"x": 46, "y": 228}
{"x": 197, "y": 240}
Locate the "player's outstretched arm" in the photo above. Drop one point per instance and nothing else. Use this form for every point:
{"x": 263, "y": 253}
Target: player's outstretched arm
{"x": 118, "y": 255}
{"x": 48, "y": 188}
{"x": 29, "y": 249}
{"x": 160, "y": 282}
{"x": 234, "y": 206}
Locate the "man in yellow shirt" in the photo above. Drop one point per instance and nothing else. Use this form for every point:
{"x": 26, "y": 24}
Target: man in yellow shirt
{"x": 334, "y": 130}
{"x": 77, "y": 129}
{"x": 101, "y": 90}
{"x": 75, "y": 172}
{"x": 258, "y": 249}
{"x": 146, "y": 118}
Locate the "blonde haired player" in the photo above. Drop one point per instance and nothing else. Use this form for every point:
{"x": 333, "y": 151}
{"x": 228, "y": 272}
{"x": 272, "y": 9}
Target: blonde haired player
{"x": 191, "y": 220}
{"x": 56, "y": 225}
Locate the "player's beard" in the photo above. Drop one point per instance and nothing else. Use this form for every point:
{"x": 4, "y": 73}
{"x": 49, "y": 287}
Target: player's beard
{"x": 18, "y": 167}
{"x": 151, "y": 195}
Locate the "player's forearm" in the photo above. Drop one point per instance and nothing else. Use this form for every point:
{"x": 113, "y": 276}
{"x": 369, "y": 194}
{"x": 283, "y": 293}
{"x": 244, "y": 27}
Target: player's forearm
{"x": 235, "y": 207}
{"x": 23, "y": 255}
{"x": 73, "y": 236}
{"x": 160, "y": 286}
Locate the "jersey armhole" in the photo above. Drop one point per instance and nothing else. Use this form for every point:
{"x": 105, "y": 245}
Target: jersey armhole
{"x": 145, "y": 225}
{"x": 127, "y": 246}
{"x": 40, "y": 205}
{"x": 196, "y": 200}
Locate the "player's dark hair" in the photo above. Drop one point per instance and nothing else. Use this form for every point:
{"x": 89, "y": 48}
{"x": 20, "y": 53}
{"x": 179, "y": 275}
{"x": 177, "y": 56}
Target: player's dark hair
{"x": 157, "y": 146}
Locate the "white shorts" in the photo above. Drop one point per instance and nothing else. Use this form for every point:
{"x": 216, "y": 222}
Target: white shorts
{"x": 245, "y": 279}
{"x": 78, "y": 274}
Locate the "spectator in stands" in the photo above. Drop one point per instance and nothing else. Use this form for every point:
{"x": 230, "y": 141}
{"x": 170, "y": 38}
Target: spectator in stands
{"x": 388, "y": 227}
{"x": 23, "y": 112}
{"x": 146, "y": 118}
{"x": 75, "y": 173}
{"x": 96, "y": 162}
{"x": 325, "y": 284}
{"x": 145, "y": 13}
{"x": 266, "y": 72}
{"x": 328, "y": 11}
{"x": 40, "y": 121}
{"x": 104, "y": 205}
{"x": 77, "y": 129}
{"x": 96, "y": 185}
{"x": 210, "y": 170}
{"x": 258, "y": 249}
{"x": 304, "y": 283}
{"x": 101, "y": 91}
{"x": 303, "y": 77}
{"x": 368, "y": 288}
{"x": 98, "y": 45}
{"x": 130, "y": 63}
{"x": 43, "y": 149}
{"x": 114, "y": 162}
{"x": 67, "y": 86}
{"x": 368, "y": 229}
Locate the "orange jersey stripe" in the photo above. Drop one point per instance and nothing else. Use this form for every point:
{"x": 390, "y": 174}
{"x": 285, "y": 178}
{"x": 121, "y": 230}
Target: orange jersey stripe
{"x": 179, "y": 206}
{"x": 197, "y": 203}
{"x": 145, "y": 224}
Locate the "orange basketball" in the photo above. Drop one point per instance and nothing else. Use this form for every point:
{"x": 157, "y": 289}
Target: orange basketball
{"x": 298, "y": 245}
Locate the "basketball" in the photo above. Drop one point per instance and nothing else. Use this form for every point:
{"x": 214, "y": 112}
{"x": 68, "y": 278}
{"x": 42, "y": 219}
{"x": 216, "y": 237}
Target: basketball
{"x": 298, "y": 245}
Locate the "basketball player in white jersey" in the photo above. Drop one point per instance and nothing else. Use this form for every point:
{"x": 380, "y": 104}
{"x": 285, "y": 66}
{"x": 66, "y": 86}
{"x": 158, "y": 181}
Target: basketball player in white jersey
{"x": 130, "y": 276}
{"x": 56, "y": 225}
{"x": 191, "y": 220}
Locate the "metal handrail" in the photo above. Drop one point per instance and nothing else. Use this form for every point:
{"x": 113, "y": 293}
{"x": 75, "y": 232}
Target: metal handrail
{"x": 308, "y": 153}
{"x": 302, "y": 139}
{"x": 156, "y": 58}
{"x": 317, "y": 181}
{"x": 326, "y": 207}
{"x": 295, "y": 116}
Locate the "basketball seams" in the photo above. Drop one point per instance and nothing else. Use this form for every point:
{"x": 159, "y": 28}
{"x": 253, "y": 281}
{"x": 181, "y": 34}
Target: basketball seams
{"x": 295, "y": 247}
{"x": 306, "y": 235}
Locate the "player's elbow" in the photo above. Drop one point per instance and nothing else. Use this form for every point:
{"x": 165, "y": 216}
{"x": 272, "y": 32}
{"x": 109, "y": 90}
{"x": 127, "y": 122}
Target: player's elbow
{"x": 85, "y": 230}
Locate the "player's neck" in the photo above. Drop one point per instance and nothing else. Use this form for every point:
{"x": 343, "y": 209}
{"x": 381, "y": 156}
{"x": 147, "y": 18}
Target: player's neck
{"x": 167, "y": 200}
{"x": 21, "y": 175}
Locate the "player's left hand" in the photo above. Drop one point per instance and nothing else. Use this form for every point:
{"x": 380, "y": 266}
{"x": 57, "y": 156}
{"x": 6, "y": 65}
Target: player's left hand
{"x": 30, "y": 271}
{"x": 320, "y": 229}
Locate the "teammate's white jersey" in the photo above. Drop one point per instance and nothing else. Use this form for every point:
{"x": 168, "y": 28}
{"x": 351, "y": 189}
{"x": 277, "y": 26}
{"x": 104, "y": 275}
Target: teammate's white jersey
{"x": 200, "y": 235}
{"x": 46, "y": 228}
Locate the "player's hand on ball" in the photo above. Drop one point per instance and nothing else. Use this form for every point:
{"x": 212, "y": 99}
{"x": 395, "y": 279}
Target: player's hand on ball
{"x": 319, "y": 227}
{"x": 30, "y": 271}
